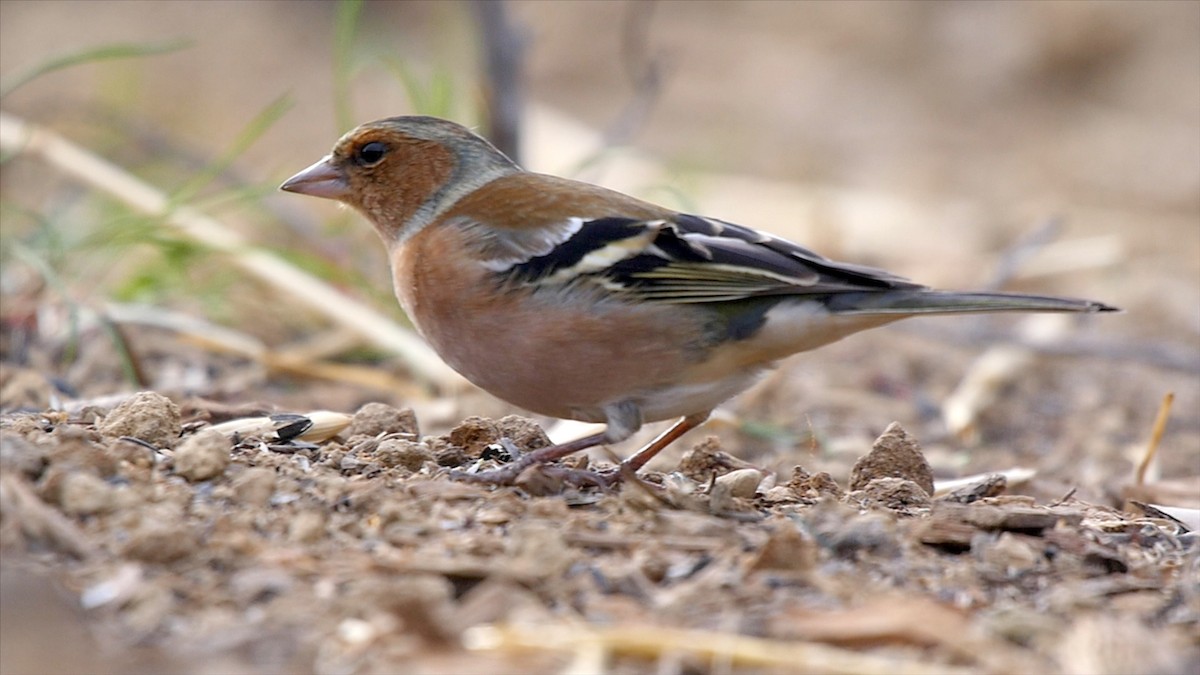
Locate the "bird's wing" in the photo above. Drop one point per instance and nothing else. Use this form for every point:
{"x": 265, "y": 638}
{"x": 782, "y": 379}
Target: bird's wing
{"x": 688, "y": 259}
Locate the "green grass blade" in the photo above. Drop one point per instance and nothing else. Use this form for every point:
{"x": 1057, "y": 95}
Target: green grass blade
{"x": 345, "y": 31}
{"x": 89, "y": 55}
{"x": 256, "y": 128}
{"x": 433, "y": 97}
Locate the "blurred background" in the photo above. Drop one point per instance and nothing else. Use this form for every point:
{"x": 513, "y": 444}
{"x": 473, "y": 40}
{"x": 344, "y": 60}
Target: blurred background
{"x": 1050, "y": 147}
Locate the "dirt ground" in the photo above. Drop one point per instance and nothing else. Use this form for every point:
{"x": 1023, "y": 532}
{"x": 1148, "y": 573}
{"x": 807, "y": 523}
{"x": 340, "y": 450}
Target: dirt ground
{"x": 814, "y": 526}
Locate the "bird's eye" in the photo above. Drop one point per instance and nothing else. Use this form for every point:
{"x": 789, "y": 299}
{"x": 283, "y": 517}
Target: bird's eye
{"x": 371, "y": 153}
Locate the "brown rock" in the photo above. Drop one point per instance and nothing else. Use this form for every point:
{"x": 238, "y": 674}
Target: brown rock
{"x": 146, "y": 416}
{"x": 203, "y": 456}
{"x": 895, "y": 454}
{"x": 160, "y": 542}
{"x": 786, "y": 549}
{"x": 255, "y": 485}
{"x": 374, "y": 419}
{"x": 307, "y": 527}
{"x": 742, "y": 483}
{"x": 706, "y": 459}
{"x": 83, "y": 494}
{"x": 896, "y": 494}
{"x": 813, "y": 486}
{"x": 401, "y": 452}
{"x": 474, "y": 434}
{"x": 526, "y": 434}
{"x": 991, "y": 486}
{"x": 21, "y": 456}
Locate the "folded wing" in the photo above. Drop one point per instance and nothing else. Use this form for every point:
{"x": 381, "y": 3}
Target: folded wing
{"x": 690, "y": 259}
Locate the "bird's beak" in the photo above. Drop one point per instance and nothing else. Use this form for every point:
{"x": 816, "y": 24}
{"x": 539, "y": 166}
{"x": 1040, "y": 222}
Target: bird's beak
{"x": 322, "y": 179}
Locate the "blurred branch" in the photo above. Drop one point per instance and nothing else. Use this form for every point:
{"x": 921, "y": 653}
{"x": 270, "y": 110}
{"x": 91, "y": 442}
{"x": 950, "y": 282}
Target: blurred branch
{"x": 995, "y": 369}
{"x": 290, "y": 360}
{"x": 503, "y": 46}
{"x": 16, "y": 137}
{"x": 1022, "y": 250}
{"x": 645, "y": 73}
{"x": 1176, "y": 358}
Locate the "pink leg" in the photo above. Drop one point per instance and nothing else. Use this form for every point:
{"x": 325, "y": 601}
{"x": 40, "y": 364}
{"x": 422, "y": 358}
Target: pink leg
{"x": 508, "y": 473}
{"x": 684, "y": 425}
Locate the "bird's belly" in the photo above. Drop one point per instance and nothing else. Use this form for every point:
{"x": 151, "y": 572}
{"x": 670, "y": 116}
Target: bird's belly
{"x": 677, "y": 400}
{"x": 572, "y": 362}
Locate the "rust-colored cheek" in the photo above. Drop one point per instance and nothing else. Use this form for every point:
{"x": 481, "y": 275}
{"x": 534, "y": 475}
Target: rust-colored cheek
{"x": 413, "y": 175}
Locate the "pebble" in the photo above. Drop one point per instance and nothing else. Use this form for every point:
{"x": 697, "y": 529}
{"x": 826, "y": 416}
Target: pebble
{"x": 742, "y": 482}
{"x": 895, "y": 454}
{"x": 84, "y": 494}
{"x": 203, "y": 456}
{"x": 146, "y": 416}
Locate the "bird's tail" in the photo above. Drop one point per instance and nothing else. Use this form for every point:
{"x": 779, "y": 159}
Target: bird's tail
{"x": 909, "y": 302}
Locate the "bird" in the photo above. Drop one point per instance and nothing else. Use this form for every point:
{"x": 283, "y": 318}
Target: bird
{"x": 575, "y": 301}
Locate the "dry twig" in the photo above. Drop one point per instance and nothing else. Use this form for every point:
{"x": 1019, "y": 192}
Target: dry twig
{"x": 503, "y": 47}
{"x": 1156, "y": 434}
{"x": 655, "y": 642}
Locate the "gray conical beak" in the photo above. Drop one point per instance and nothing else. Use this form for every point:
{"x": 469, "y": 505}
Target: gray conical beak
{"x": 322, "y": 179}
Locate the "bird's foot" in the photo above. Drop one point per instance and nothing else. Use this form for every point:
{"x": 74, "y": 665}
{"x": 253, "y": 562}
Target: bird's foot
{"x": 541, "y": 477}
{"x": 537, "y": 471}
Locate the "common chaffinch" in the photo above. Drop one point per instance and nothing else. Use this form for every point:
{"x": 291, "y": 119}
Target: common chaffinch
{"x": 575, "y": 301}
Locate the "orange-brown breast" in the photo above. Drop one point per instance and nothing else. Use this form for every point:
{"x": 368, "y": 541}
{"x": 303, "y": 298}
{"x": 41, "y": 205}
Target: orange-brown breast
{"x": 540, "y": 351}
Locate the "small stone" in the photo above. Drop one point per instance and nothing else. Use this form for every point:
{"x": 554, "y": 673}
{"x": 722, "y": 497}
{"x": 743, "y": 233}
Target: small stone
{"x": 493, "y": 516}
{"x": 203, "y": 456}
{"x": 537, "y": 549}
{"x": 307, "y": 527}
{"x": 947, "y": 529}
{"x": 896, "y": 494}
{"x": 146, "y": 416}
{"x": 895, "y": 454}
{"x": 742, "y": 483}
{"x": 135, "y": 455}
{"x": 21, "y": 456}
{"x": 706, "y": 459}
{"x": 350, "y": 464}
{"x": 160, "y": 542}
{"x": 25, "y": 388}
{"x": 474, "y": 434}
{"x": 450, "y": 456}
{"x": 780, "y": 494}
{"x": 1008, "y": 553}
{"x": 870, "y": 534}
{"x": 84, "y": 494}
{"x": 524, "y": 433}
{"x": 991, "y": 486}
{"x": 813, "y": 486}
{"x": 374, "y": 419}
{"x": 255, "y": 485}
{"x": 400, "y": 452}
{"x": 787, "y": 549}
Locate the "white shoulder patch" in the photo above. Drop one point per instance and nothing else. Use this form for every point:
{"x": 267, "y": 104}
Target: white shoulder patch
{"x": 532, "y": 244}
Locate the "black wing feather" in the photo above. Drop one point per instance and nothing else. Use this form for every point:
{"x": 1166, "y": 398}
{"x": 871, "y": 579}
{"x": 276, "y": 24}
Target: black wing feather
{"x": 690, "y": 259}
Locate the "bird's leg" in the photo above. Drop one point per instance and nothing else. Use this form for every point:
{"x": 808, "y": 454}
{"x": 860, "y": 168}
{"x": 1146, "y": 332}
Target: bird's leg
{"x": 684, "y": 425}
{"x": 508, "y": 473}
{"x": 622, "y": 420}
